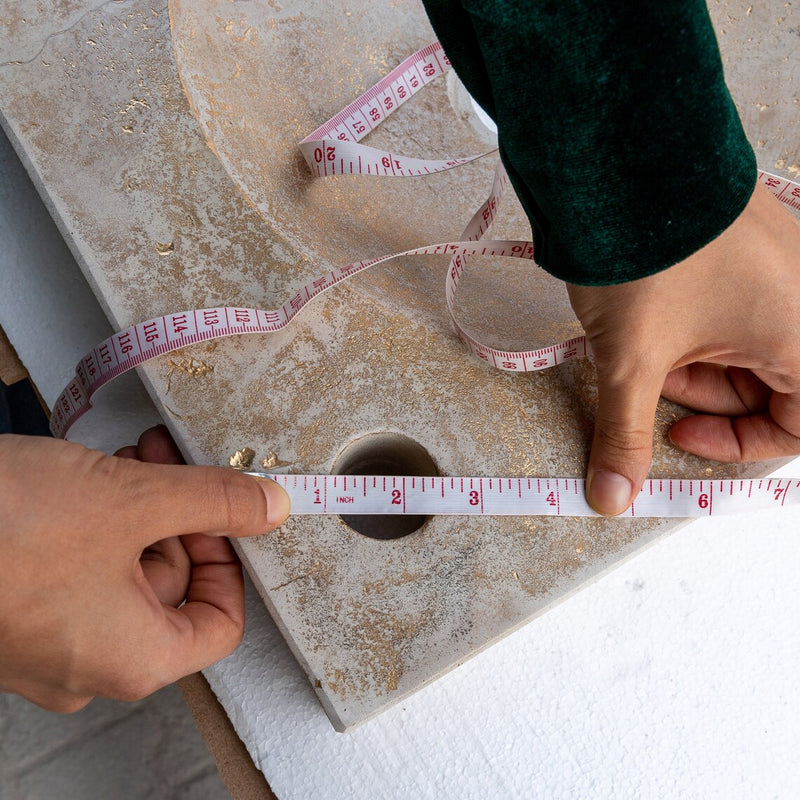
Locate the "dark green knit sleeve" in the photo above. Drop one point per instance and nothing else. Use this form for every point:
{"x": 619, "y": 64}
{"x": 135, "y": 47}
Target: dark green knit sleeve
{"x": 615, "y": 124}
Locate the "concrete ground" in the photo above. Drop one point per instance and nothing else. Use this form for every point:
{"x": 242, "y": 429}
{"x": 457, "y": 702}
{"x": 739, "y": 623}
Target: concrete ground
{"x": 150, "y": 749}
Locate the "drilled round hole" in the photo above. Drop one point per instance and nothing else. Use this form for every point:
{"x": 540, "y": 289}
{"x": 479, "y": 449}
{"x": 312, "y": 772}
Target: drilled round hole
{"x": 384, "y": 454}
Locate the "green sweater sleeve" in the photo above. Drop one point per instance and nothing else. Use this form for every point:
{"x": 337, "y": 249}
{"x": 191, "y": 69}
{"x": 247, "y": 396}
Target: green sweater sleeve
{"x": 615, "y": 125}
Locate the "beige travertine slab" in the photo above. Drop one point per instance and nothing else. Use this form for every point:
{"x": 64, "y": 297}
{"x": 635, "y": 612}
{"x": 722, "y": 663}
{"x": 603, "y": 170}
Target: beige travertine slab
{"x": 92, "y": 97}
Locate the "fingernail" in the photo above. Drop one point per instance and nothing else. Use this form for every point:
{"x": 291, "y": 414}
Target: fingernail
{"x": 278, "y": 503}
{"x": 609, "y": 493}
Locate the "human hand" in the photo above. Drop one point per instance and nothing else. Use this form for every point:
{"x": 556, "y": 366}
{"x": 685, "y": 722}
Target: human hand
{"x": 87, "y": 602}
{"x": 165, "y": 564}
{"x": 718, "y": 333}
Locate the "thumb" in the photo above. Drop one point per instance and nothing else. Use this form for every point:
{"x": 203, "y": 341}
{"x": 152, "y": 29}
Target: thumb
{"x": 622, "y": 448}
{"x": 181, "y": 499}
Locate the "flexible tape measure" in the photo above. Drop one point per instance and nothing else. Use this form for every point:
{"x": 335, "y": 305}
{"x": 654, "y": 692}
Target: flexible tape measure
{"x": 334, "y": 149}
{"x": 553, "y": 497}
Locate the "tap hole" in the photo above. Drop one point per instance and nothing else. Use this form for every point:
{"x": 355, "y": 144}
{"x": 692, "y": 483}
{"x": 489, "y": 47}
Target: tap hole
{"x": 385, "y": 454}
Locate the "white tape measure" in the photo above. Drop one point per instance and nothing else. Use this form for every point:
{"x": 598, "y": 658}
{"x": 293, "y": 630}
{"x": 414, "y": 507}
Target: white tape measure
{"x": 133, "y": 346}
{"x": 334, "y": 149}
{"x": 552, "y": 497}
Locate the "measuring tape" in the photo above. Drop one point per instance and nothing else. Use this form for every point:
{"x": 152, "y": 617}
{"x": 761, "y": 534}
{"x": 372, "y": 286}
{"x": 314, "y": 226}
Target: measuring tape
{"x": 552, "y": 497}
{"x": 139, "y": 343}
{"x": 334, "y": 149}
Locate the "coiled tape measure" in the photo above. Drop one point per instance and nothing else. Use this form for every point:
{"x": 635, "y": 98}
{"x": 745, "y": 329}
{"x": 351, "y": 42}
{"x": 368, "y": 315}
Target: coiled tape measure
{"x": 334, "y": 149}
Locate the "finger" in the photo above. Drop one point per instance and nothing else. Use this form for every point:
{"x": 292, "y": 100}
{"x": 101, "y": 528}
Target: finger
{"x": 622, "y": 447}
{"x": 156, "y": 643}
{"x": 167, "y": 568}
{"x": 757, "y": 437}
{"x": 715, "y": 389}
{"x": 192, "y": 499}
{"x": 129, "y": 451}
{"x": 209, "y": 626}
{"x": 785, "y": 410}
{"x": 213, "y": 561}
{"x": 156, "y": 445}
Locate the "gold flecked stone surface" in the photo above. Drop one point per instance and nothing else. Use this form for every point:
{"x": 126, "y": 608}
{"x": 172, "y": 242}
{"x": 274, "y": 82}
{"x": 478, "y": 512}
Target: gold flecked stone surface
{"x": 167, "y": 153}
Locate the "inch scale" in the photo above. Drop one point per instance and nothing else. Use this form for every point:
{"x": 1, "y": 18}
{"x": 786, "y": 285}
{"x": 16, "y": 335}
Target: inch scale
{"x": 552, "y": 497}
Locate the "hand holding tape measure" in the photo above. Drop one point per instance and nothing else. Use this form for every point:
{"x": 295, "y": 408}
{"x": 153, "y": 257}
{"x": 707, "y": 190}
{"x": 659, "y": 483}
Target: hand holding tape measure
{"x": 118, "y": 577}
{"x": 709, "y": 333}
{"x": 718, "y": 333}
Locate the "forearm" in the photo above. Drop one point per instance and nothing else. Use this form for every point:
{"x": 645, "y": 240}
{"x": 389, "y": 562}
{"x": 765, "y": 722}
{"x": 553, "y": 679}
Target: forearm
{"x": 615, "y": 125}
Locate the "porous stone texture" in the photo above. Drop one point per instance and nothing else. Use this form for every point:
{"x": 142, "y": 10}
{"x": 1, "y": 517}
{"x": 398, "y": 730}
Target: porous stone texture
{"x": 162, "y": 222}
